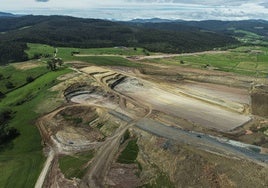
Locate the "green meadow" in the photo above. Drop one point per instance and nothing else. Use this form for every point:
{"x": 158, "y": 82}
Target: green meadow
{"x": 22, "y": 160}
{"x": 76, "y": 165}
{"x": 251, "y": 61}
{"x": 95, "y": 56}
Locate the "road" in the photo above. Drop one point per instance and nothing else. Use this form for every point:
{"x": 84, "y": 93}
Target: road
{"x": 45, "y": 170}
{"x": 95, "y": 177}
{"x": 204, "y": 142}
{"x": 103, "y": 159}
{"x": 153, "y": 56}
{"x": 156, "y": 98}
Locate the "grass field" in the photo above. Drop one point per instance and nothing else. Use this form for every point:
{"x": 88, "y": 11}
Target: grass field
{"x": 66, "y": 51}
{"x": 102, "y": 57}
{"x": 250, "y": 38}
{"x": 75, "y": 166}
{"x": 22, "y": 160}
{"x": 243, "y": 60}
{"x": 18, "y": 77}
{"x": 130, "y": 153}
{"x": 39, "y": 48}
{"x": 108, "y": 61}
{"x": 161, "y": 181}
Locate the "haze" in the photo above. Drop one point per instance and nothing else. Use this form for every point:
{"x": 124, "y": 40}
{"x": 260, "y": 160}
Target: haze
{"x": 131, "y": 9}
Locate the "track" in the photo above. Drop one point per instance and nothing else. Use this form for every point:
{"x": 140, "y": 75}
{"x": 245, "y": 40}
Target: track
{"x": 95, "y": 177}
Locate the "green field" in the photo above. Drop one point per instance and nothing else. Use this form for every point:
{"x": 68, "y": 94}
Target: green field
{"x": 251, "y": 61}
{"x": 39, "y": 48}
{"x": 251, "y": 38}
{"x": 97, "y": 56}
{"x": 108, "y": 61}
{"x": 18, "y": 77}
{"x": 161, "y": 181}
{"x": 66, "y": 52}
{"x": 75, "y": 166}
{"x": 22, "y": 160}
{"x": 130, "y": 153}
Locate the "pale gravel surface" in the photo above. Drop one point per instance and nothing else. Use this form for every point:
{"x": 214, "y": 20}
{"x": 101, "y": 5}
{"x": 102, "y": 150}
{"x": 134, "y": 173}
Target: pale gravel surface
{"x": 194, "y": 110}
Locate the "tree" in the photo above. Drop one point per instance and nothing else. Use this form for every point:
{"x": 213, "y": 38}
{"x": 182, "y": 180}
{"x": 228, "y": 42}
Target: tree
{"x": 29, "y": 79}
{"x": 37, "y": 56}
{"x": 6, "y": 133}
{"x": 9, "y": 85}
{"x": 53, "y": 63}
{"x": 2, "y": 95}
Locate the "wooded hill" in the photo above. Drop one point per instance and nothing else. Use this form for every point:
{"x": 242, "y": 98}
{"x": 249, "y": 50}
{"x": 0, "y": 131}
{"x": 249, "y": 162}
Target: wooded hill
{"x": 86, "y": 33}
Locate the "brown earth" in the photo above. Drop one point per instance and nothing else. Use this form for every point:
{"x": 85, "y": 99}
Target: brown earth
{"x": 28, "y": 65}
{"x": 112, "y": 100}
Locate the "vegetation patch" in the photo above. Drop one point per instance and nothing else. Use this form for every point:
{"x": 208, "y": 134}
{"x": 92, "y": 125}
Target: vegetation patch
{"x": 12, "y": 78}
{"x": 102, "y": 59}
{"x": 12, "y": 52}
{"x": 36, "y": 51}
{"x": 108, "y": 61}
{"x": 243, "y": 60}
{"x": 130, "y": 153}
{"x": 75, "y": 166}
{"x": 75, "y": 120}
{"x": 22, "y": 158}
{"x": 7, "y": 133}
{"x": 161, "y": 181}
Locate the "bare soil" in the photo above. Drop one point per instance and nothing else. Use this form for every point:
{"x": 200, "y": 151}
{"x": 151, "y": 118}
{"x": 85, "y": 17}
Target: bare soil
{"x": 119, "y": 99}
{"x": 27, "y": 65}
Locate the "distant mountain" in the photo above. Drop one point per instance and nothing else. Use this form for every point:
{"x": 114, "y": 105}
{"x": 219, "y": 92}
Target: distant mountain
{"x": 5, "y": 14}
{"x": 230, "y": 28}
{"x": 79, "y": 32}
{"x": 151, "y": 20}
{"x": 93, "y": 33}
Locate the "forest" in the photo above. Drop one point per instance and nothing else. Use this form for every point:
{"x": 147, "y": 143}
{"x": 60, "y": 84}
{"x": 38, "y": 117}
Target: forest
{"x": 67, "y": 31}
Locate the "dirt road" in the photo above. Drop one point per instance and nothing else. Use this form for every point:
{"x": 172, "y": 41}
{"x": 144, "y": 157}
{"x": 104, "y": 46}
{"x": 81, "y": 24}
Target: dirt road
{"x": 103, "y": 159}
{"x": 149, "y": 96}
{"x": 43, "y": 174}
{"x": 205, "y": 142}
{"x": 157, "y": 56}
{"x": 95, "y": 177}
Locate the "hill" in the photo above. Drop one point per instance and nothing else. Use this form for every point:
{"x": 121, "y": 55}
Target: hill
{"x": 151, "y": 20}
{"x": 88, "y": 33}
{"x": 231, "y": 28}
{"x": 5, "y": 14}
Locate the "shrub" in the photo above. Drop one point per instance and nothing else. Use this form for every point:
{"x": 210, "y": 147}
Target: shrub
{"x": 9, "y": 85}
{"x": 29, "y": 79}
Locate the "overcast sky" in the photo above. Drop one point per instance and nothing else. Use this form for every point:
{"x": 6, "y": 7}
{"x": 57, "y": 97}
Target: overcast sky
{"x": 130, "y": 9}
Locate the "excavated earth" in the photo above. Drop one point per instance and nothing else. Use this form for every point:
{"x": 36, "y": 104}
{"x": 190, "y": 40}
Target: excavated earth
{"x": 187, "y": 127}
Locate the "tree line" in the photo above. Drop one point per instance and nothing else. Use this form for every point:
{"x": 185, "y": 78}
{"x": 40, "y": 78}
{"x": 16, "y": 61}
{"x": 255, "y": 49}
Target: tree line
{"x": 7, "y": 133}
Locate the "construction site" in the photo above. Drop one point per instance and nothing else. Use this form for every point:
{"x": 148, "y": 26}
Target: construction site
{"x": 156, "y": 126}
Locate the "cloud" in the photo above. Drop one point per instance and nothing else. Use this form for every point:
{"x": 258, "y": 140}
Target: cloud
{"x": 43, "y": 1}
{"x": 264, "y": 4}
{"x": 130, "y": 9}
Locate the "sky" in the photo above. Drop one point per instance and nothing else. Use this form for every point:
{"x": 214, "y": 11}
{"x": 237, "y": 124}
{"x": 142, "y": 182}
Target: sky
{"x": 132, "y": 9}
